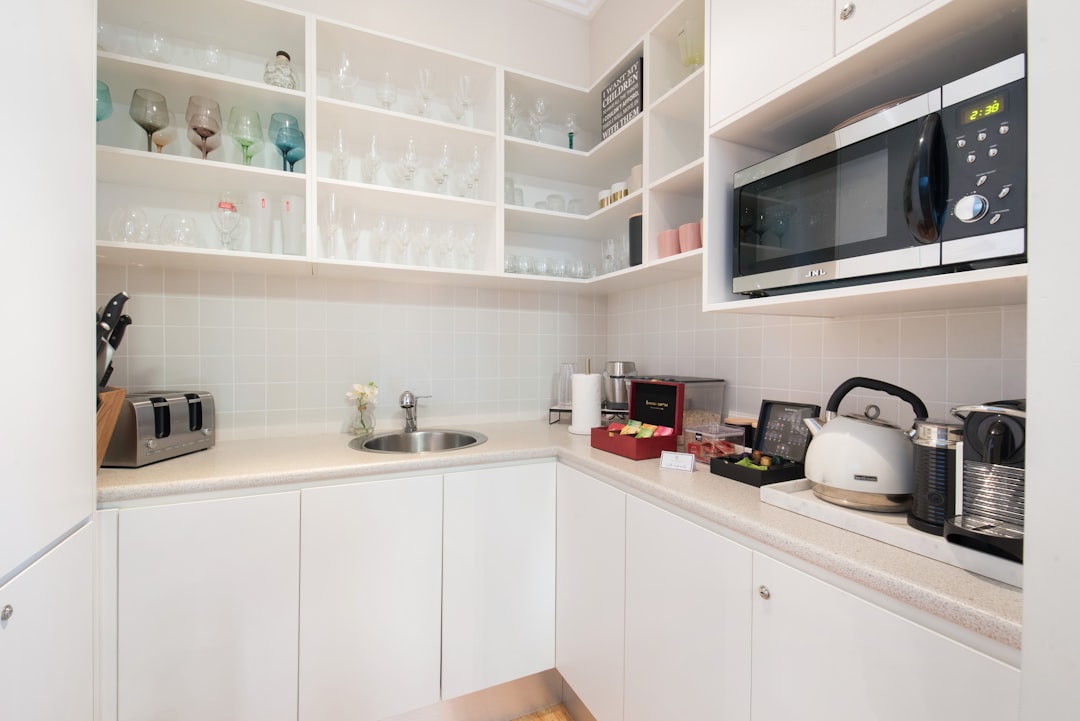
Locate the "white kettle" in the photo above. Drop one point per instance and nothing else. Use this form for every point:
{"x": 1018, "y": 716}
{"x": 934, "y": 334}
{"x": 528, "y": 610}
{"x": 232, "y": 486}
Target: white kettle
{"x": 861, "y": 462}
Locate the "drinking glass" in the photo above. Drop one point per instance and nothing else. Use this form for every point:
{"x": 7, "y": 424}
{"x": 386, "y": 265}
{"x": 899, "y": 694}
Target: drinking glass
{"x": 283, "y": 132}
{"x": 513, "y": 114}
{"x": 472, "y": 173}
{"x": 128, "y": 225}
{"x": 537, "y": 115}
{"x": 226, "y": 216}
{"x": 462, "y": 99}
{"x": 423, "y": 90}
{"x": 204, "y": 123}
{"x": 354, "y": 227}
{"x": 371, "y": 162}
{"x": 385, "y": 91}
{"x": 149, "y": 111}
{"x": 245, "y": 126}
{"x": 408, "y": 163}
{"x": 163, "y": 137}
{"x": 402, "y": 240}
{"x": 379, "y": 234}
{"x": 343, "y": 78}
{"x": 441, "y": 171}
{"x": 179, "y": 230}
{"x": 214, "y": 59}
{"x": 339, "y": 154}
{"x": 330, "y": 219}
{"x": 444, "y": 246}
{"x": 571, "y": 129}
{"x": 104, "y": 101}
{"x": 423, "y": 242}
{"x": 691, "y": 38}
{"x": 154, "y": 44}
{"x": 467, "y": 248}
{"x": 297, "y": 152}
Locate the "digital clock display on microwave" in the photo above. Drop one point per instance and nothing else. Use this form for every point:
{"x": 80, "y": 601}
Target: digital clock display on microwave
{"x": 985, "y": 108}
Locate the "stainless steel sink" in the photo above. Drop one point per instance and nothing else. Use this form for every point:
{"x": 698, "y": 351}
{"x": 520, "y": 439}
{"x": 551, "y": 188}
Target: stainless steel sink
{"x": 433, "y": 441}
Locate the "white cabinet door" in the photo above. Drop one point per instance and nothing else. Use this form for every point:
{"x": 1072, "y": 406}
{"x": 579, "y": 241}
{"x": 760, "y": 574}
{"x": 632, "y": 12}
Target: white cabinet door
{"x": 866, "y": 17}
{"x": 370, "y": 586}
{"x": 498, "y": 576}
{"x": 687, "y": 620}
{"x": 757, "y": 47}
{"x": 590, "y": 590}
{"x": 821, "y": 654}
{"x": 208, "y": 609}
{"x": 46, "y": 643}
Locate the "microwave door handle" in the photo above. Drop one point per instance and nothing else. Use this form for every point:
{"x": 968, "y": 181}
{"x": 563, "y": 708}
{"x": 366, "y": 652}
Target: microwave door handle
{"x": 926, "y": 185}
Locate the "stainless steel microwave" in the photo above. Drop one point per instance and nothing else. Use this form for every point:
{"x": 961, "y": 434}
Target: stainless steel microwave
{"x": 934, "y": 184}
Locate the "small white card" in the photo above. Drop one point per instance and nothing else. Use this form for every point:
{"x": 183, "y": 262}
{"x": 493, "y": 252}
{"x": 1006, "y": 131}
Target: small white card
{"x": 677, "y": 461}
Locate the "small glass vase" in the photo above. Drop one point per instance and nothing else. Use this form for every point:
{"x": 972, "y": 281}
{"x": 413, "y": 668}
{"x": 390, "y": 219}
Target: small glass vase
{"x": 362, "y": 422}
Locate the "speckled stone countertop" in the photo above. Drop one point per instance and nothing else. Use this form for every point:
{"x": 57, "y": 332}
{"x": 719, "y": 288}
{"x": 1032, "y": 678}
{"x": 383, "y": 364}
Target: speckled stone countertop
{"x": 985, "y": 607}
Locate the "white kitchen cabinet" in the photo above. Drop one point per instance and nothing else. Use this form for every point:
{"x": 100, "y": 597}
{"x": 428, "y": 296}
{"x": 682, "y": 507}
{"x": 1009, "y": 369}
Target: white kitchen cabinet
{"x": 46, "y": 635}
{"x": 757, "y": 48}
{"x": 371, "y": 559}
{"x": 208, "y": 611}
{"x": 859, "y": 19}
{"x": 589, "y": 590}
{"x": 822, "y": 653}
{"x": 688, "y": 604}
{"x": 498, "y": 617}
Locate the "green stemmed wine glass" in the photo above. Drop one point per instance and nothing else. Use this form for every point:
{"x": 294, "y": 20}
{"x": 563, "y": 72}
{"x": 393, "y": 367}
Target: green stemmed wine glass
{"x": 150, "y": 112}
{"x": 246, "y": 129}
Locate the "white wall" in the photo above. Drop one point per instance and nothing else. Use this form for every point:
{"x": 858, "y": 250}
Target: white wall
{"x": 618, "y": 25}
{"x": 519, "y": 34}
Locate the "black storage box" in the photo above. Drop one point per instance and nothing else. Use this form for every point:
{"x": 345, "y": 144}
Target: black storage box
{"x": 781, "y": 435}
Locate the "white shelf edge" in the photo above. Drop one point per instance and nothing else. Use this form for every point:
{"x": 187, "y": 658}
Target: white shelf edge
{"x": 345, "y": 105}
{"x": 679, "y": 174}
{"x": 195, "y": 73}
{"x": 695, "y": 76}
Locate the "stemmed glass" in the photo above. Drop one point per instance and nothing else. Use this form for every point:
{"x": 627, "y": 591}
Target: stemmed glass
{"x": 226, "y": 217}
{"x": 424, "y": 241}
{"x": 378, "y": 238}
{"x": 245, "y": 126}
{"x": 423, "y": 90}
{"x": 163, "y": 137}
{"x": 386, "y": 92}
{"x": 331, "y": 214}
{"x": 462, "y": 100}
{"x": 154, "y": 44}
{"x": 371, "y": 163}
{"x": 513, "y": 114}
{"x": 402, "y": 239}
{"x": 537, "y": 115}
{"x": 472, "y": 173}
{"x": 284, "y": 132}
{"x": 343, "y": 78}
{"x": 339, "y": 154}
{"x": 355, "y": 228}
{"x": 571, "y": 129}
{"x": 104, "y": 101}
{"x": 408, "y": 163}
{"x": 149, "y": 111}
{"x": 297, "y": 152}
{"x": 204, "y": 123}
{"x": 441, "y": 172}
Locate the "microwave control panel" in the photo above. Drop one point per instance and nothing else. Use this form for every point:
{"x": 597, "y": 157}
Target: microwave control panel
{"x": 986, "y": 139}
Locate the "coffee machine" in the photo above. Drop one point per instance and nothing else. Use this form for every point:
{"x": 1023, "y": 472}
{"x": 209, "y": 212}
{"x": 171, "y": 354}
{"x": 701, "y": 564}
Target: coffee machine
{"x": 989, "y": 497}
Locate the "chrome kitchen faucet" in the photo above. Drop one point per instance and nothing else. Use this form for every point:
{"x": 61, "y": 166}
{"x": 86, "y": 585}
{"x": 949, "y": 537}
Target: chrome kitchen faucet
{"x": 408, "y": 402}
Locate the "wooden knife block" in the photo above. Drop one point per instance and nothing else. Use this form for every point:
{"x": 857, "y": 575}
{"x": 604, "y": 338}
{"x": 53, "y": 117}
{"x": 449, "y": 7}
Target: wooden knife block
{"x": 112, "y": 400}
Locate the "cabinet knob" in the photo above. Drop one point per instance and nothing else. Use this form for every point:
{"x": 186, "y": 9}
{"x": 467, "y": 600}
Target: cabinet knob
{"x": 7, "y": 612}
{"x": 763, "y": 591}
{"x": 847, "y": 11}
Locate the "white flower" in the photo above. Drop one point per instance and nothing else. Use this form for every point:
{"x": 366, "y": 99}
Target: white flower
{"x": 363, "y": 395}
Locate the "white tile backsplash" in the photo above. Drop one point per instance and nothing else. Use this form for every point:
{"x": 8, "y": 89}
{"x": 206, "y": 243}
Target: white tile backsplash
{"x": 278, "y": 353}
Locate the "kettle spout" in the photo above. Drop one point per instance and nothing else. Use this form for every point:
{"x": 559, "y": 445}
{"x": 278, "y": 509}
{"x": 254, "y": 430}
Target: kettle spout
{"x": 813, "y": 424}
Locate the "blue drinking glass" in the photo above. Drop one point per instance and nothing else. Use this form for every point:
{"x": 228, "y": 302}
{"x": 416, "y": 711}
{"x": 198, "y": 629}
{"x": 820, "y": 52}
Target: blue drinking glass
{"x": 284, "y": 132}
{"x": 296, "y": 154}
{"x": 104, "y": 101}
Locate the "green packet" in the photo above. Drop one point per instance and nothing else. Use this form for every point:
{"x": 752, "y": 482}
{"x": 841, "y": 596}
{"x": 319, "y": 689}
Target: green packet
{"x": 747, "y": 463}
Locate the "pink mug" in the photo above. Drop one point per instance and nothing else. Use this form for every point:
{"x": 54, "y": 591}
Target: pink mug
{"x": 689, "y": 236}
{"x": 668, "y": 242}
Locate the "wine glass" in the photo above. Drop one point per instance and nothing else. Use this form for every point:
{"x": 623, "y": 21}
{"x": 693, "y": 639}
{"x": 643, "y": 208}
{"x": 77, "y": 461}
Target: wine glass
{"x": 245, "y": 126}
{"x": 537, "y": 115}
{"x": 385, "y": 91}
{"x": 444, "y": 246}
{"x": 204, "y": 123}
{"x": 226, "y": 216}
{"x": 355, "y": 226}
{"x": 343, "y": 78}
{"x": 371, "y": 162}
{"x": 163, "y": 137}
{"x": 441, "y": 172}
{"x": 408, "y": 163}
{"x": 571, "y": 129}
{"x": 467, "y": 248}
{"x": 378, "y": 238}
{"x": 472, "y": 173}
{"x": 154, "y": 44}
{"x": 402, "y": 239}
{"x": 423, "y": 90}
{"x": 513, "y": 114}
{"x": 149, "y": 111}
{"x": 330, "y": 212}
{"x": 424, "y": 239}
{"x": 339, "y": 154}
{"x": 462, "y": 99}
{"x": 283, "y": 132}
{"x": 297, "y": 152}
{"x": 104, "y": 101}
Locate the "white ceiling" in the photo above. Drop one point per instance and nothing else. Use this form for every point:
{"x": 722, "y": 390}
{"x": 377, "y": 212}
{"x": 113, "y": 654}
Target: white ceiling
{"x": 581, "y": 8}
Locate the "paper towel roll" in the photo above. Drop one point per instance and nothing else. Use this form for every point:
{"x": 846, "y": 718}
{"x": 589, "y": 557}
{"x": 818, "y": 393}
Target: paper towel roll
{"x": 584, "y": 403}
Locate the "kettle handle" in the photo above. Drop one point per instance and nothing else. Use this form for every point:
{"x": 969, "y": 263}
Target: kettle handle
{"x": 851, "y": 383}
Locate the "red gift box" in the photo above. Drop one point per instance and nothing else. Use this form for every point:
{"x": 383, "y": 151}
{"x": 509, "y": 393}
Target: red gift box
{"x": 657, "y": 402}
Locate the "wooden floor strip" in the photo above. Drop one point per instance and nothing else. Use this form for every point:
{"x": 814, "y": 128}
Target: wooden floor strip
{"x": 551, "y": 713}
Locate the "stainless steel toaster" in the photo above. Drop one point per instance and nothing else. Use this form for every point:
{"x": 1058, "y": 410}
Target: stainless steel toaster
{"x": 157, "y": 425}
